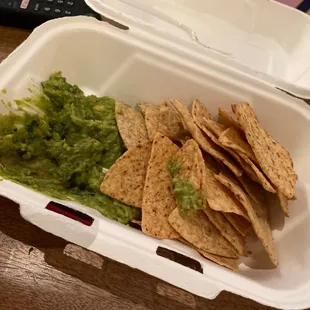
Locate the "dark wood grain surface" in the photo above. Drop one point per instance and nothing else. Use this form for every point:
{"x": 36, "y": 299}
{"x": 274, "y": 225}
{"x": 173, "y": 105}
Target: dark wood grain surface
{"x": 41, "y": 271}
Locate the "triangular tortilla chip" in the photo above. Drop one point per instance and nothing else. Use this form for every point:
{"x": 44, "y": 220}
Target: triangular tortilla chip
{"x": 246, "y": 167}
{"x": 199, "y": 114}
{"x": 211, "y": 163}
{"x": 242, "y": 225}
{"x": 131, "y": 125}
{"x": 283, "y": 203}
{"x": 226, "y": 119}
{"x": 226, "y": 229}
{"x": 188, "y": 177}
{"x": 204, "y": 142}
{"x": 191, "y": 164}
{"x": 124, "y": 181}
{"x": 170, "y": 123}
{"x": 230, "y": 263}
{"x": 213, "y": 130}
{"x": 158, "y": 200}
{"x": 215, "y": 127}
{"x": 198, "y": 230}
{"x": 220, "y": 198}
{"x": 256, "y": 193}
{"x": 242, "y": 152}
{"x": 254, "y": 190}
{"x": 273, "y": 158}
{"x": 233, "y": 138}
{"x": 260, "y": 175}
{"x": 209, "y": 133}
{"x": 199, "y": 111}
{"x": 147, "y": 106}
{"x": 151, "y": 117}
{"x": 256, "y": 213}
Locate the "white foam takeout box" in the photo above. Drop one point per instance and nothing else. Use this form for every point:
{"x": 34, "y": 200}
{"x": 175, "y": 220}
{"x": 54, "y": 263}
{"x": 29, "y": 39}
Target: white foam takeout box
{"x": 218, "y": 51}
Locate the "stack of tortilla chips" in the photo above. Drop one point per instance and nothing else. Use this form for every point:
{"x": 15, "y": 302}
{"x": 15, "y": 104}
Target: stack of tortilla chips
{"x": 199, "y": 180}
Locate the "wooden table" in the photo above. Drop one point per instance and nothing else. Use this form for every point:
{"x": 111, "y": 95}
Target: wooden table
{"x": 41, "y": 271}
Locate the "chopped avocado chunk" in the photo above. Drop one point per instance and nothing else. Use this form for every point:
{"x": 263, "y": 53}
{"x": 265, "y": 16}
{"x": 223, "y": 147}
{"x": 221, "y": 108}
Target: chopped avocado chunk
{"x": 188, "y": 198}
{"x": 63, "y": 150}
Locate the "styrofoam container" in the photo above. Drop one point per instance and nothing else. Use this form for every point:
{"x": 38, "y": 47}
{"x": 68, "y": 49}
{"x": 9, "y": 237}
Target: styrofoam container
{"x": 151, "y": 64}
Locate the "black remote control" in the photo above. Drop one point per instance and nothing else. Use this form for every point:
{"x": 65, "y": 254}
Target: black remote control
{"x": 29, "y": 14}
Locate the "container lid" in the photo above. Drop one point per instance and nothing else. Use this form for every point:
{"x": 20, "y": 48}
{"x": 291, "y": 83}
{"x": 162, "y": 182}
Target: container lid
{"x": 263, "y": 39}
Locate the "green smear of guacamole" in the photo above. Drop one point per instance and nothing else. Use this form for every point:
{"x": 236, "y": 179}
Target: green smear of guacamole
{"x": 63, "y": 150}
{"x": 188, "y": 198}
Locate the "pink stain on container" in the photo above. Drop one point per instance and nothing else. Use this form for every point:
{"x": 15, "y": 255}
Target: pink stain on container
{"x": 293, "y": 3}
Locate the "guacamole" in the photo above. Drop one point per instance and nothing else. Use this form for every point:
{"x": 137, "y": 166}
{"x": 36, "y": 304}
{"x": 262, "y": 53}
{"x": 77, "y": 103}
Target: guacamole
{"x": 60, "y": 143}
{"x": 188, "y": 198}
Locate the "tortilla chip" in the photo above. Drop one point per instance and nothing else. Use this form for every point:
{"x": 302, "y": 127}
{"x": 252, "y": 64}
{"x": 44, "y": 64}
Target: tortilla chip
{"x": 256, "y": 213}
{"x": 226, "y": 119}
{"x": 256, "y": 193}
{"x": 151, "y": 121}
{"x": 199, "y": 111}
{"x": 230, "y": 263}
{"x": 215, "y": 127}
{"x": 158, "y": 200}
{"x": 246, "y": 167}
{"x": 242, "y": 225}
{"x": 260, "y": 175}
{"x": 213, "y": 131}
{"x": 204, "y": 142}
{"x": 211, "y": 163}
{"x": 198, "y": 230}
{"x": 233, "y": 138}
{"x": 124, "y": 181}
{"x": 143, "y": 107}
{"x": 199, "y": 114}
{"x": 191, "y": 162}
{"x": 220, "y": 198}
{"x": 170, "y": 123}
{"x": 226, "y": 229}
{"x": 131, "y": 125}
{"x": 273, "y": 158}
{"x": 254, "y": 190}
{"x": 283, "y": 203}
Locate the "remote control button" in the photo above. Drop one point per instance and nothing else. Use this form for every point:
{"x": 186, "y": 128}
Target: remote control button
{"x": 67, "y": 12}
{"x": 37, "y": 7}
{"x": 60, "y": 2}
{"x": 15, "y": 4}
{"x": 70, "y": 4}
{"x": 24, "y": 4}
{"x": 50, "y": 1}
{"x": 47, "y": 9}
{"x": 57, "y": 11}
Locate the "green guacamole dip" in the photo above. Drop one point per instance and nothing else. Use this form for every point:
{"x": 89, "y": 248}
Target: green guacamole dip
{"x": 60, "y": 142}
{"x": 189, "y": 199}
